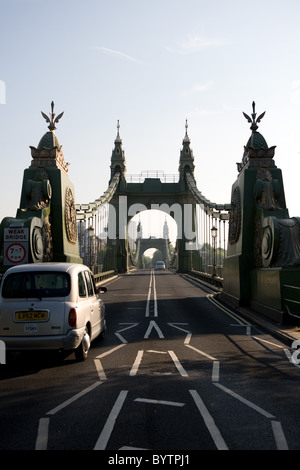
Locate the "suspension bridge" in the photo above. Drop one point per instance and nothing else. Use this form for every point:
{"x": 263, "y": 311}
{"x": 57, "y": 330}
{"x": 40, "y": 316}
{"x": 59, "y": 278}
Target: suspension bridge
{"x": 103, "y": 224}
{"x": 249, "y": 247}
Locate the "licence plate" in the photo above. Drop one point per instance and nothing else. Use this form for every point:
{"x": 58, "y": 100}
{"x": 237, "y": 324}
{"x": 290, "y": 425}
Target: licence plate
{"x": 35, "y": 315}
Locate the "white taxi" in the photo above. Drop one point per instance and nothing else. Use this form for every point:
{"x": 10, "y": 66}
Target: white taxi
{"x": 51, "y": 306}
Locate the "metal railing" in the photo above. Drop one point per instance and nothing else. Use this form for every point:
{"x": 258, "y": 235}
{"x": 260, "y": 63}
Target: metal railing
{"x": 157, "y": 174}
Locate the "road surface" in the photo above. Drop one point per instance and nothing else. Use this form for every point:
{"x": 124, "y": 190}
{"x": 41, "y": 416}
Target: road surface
{"x": 175, "y": 372}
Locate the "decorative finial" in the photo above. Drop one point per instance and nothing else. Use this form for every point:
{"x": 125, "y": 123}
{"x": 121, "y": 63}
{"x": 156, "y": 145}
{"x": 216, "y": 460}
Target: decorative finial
{"x": 254, "y": 121}
{"x": 52, "y": 121}
{"x": 118, "y": 138}
{"x": 186, "y": 137}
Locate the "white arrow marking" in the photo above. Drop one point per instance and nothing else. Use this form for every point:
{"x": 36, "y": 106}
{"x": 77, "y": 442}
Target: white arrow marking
{"x": 152, "y": 325}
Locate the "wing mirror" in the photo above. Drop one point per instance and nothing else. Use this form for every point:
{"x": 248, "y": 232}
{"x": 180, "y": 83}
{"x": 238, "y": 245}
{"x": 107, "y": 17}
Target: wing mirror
{"x": 102, "y": 290}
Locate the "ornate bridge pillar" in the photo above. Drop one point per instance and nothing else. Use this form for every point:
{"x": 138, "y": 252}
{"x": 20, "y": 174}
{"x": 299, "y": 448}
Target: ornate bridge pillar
{"x": 262, "y": 268}
{"x": 45, "y": 226}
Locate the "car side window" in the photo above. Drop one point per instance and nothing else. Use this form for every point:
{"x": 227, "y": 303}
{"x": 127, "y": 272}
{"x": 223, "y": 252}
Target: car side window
{"x": 89, "y": 283}
{"x": 81, "y": 286}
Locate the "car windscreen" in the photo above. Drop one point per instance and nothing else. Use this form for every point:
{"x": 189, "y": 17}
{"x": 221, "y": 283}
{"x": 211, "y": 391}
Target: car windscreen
{"x": 36, "y": 284}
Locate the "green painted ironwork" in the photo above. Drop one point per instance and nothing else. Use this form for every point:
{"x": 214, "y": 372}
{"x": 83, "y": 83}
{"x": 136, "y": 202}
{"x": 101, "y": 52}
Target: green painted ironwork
{"x": 262, "y": 268}
{"x": 45, "y": 225}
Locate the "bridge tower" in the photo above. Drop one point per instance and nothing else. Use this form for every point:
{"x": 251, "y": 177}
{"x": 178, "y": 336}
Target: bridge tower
{"x": 174, "y": 198}
{"x": 186, "y": 244}
{"x": 262, "y": 268}
{"x": 118, "y": 162}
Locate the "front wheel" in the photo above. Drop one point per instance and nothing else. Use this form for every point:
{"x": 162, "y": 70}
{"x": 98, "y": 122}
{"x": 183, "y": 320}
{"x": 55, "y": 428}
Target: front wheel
{"x": 81, "y": 353}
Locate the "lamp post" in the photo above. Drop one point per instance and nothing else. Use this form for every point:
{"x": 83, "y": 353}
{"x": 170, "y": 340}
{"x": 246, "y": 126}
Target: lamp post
{"x": 214, "y": 234}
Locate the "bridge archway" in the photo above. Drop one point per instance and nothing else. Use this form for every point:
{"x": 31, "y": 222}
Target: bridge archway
{"x": 160, "y": 244}
{"x": 152, "y": 229}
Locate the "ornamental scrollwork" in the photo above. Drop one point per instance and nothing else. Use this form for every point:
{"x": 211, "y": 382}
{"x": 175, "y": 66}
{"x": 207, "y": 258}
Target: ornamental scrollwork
{"x": 70, "y": 216}
{"x": 235, "y": 217}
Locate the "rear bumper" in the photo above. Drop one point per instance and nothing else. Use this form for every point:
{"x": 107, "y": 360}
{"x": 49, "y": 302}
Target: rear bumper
{"x": 26, "y": 343}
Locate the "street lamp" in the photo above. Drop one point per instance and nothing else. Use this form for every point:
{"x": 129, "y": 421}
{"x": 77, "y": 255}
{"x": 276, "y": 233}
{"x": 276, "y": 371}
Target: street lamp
{"x": 214, "y": 234}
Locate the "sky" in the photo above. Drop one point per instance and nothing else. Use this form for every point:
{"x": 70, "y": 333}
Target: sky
{"x": 151, "y": 65}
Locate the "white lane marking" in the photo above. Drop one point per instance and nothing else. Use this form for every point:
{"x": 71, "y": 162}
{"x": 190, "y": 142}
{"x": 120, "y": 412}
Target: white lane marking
{"x": 149, "y": 296}
{"x": 156, "y": 352}
{"x": 268, "y": 342}
{"x": 152, "y": 281}
{"x": 201, "y": 352}
{"x": 229, "y": 312}
{"x": 136, "y": 363}
{"x": 100, "y": 370}
{"x": 245, "y": 401}
{"x": 152, "y": 325}
{"x": 248, "y": 328}
{"x": 154, "y": 296}
{"x": 187, "y": 341}
{"x": 175, "y": 325}
{"x": 42, "y": 437}
{"x": 279, "y": 435}
{"x": 215, "y": 371}
{"x": 123, "y": 340}
{"x": 178, "y": 365}
{"x": 159, "y": 402}
{"x": 139, "y": 356}
{"x": 132, "y": 448}
{"x": 110, "y": 351}
{"x": 110, "y": 423}
{"x": 209, "y": 421}
{"x": 74, "y": 398}
{"x": 131, "y": 325}
{"x": 189, "y": 334}
{"x": 98, "y": 364}
{"x": 216, "y": 364}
